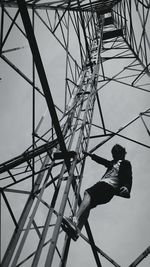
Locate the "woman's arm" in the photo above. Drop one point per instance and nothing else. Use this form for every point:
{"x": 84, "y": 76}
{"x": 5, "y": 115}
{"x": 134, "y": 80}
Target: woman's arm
{"x": 99, "y": 160}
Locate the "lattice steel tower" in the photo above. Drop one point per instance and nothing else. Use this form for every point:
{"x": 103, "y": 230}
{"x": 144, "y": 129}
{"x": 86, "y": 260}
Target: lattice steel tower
{"x": 90, "y": 47}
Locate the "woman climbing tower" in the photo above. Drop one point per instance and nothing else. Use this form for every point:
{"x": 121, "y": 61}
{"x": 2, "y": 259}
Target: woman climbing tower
{"x": 117, "y": 180}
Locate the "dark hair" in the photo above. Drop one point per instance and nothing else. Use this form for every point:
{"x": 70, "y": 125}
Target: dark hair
{"x": 118, "y": 152}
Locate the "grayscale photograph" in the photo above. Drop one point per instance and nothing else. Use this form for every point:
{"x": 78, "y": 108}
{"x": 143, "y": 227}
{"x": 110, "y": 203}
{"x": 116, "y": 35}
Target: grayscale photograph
{"x": 74, "y": 133}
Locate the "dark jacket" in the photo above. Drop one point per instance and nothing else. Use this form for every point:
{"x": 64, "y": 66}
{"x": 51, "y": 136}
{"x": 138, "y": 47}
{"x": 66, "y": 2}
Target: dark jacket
{"x": 125, "y": 171}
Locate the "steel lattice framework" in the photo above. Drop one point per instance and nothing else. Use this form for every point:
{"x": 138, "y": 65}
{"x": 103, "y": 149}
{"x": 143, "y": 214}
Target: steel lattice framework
{"x": 48, "y": 174}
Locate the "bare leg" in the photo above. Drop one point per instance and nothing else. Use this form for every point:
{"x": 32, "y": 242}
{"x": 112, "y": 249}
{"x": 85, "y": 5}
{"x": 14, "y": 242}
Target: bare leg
{"x": 84, "y": 210}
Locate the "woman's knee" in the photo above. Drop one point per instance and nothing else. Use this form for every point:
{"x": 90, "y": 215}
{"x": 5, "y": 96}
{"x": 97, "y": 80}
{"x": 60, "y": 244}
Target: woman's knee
{"x": 87, "y": 198}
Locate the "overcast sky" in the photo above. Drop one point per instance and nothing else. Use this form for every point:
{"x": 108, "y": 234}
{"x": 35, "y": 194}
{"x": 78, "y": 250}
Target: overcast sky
{"x": 121, "y": 227}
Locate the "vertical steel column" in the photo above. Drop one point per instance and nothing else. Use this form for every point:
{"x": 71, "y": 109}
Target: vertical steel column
{"x": 33, "y": 111}
{"x": 91, "y": 86}
{"x": 41, "y": 72}
{"x": 31, "y": 220}
{"x": 68, "y": 118}
{"x": 17, "y": 233}
{"x": 1, "y": 28}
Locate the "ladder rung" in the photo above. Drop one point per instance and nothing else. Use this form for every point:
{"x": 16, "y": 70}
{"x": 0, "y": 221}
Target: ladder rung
{"x": 83, "y": 93}
{"x": 61, "y": 155}
{"x": 112, "y": 34}
{"x": 108, "y": 21}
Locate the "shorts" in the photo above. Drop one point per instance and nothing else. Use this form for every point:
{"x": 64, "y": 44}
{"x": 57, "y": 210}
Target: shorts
{"x": 100, "y": 193}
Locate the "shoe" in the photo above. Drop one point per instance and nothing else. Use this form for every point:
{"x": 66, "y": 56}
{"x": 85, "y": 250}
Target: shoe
{"x": 75, "y": 222}
{"x": 72, "y": 223}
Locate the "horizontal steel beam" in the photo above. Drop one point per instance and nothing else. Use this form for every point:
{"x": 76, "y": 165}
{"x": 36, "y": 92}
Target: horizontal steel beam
{"x": 26, "y": 156}
{"x": 92, "y": 6}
